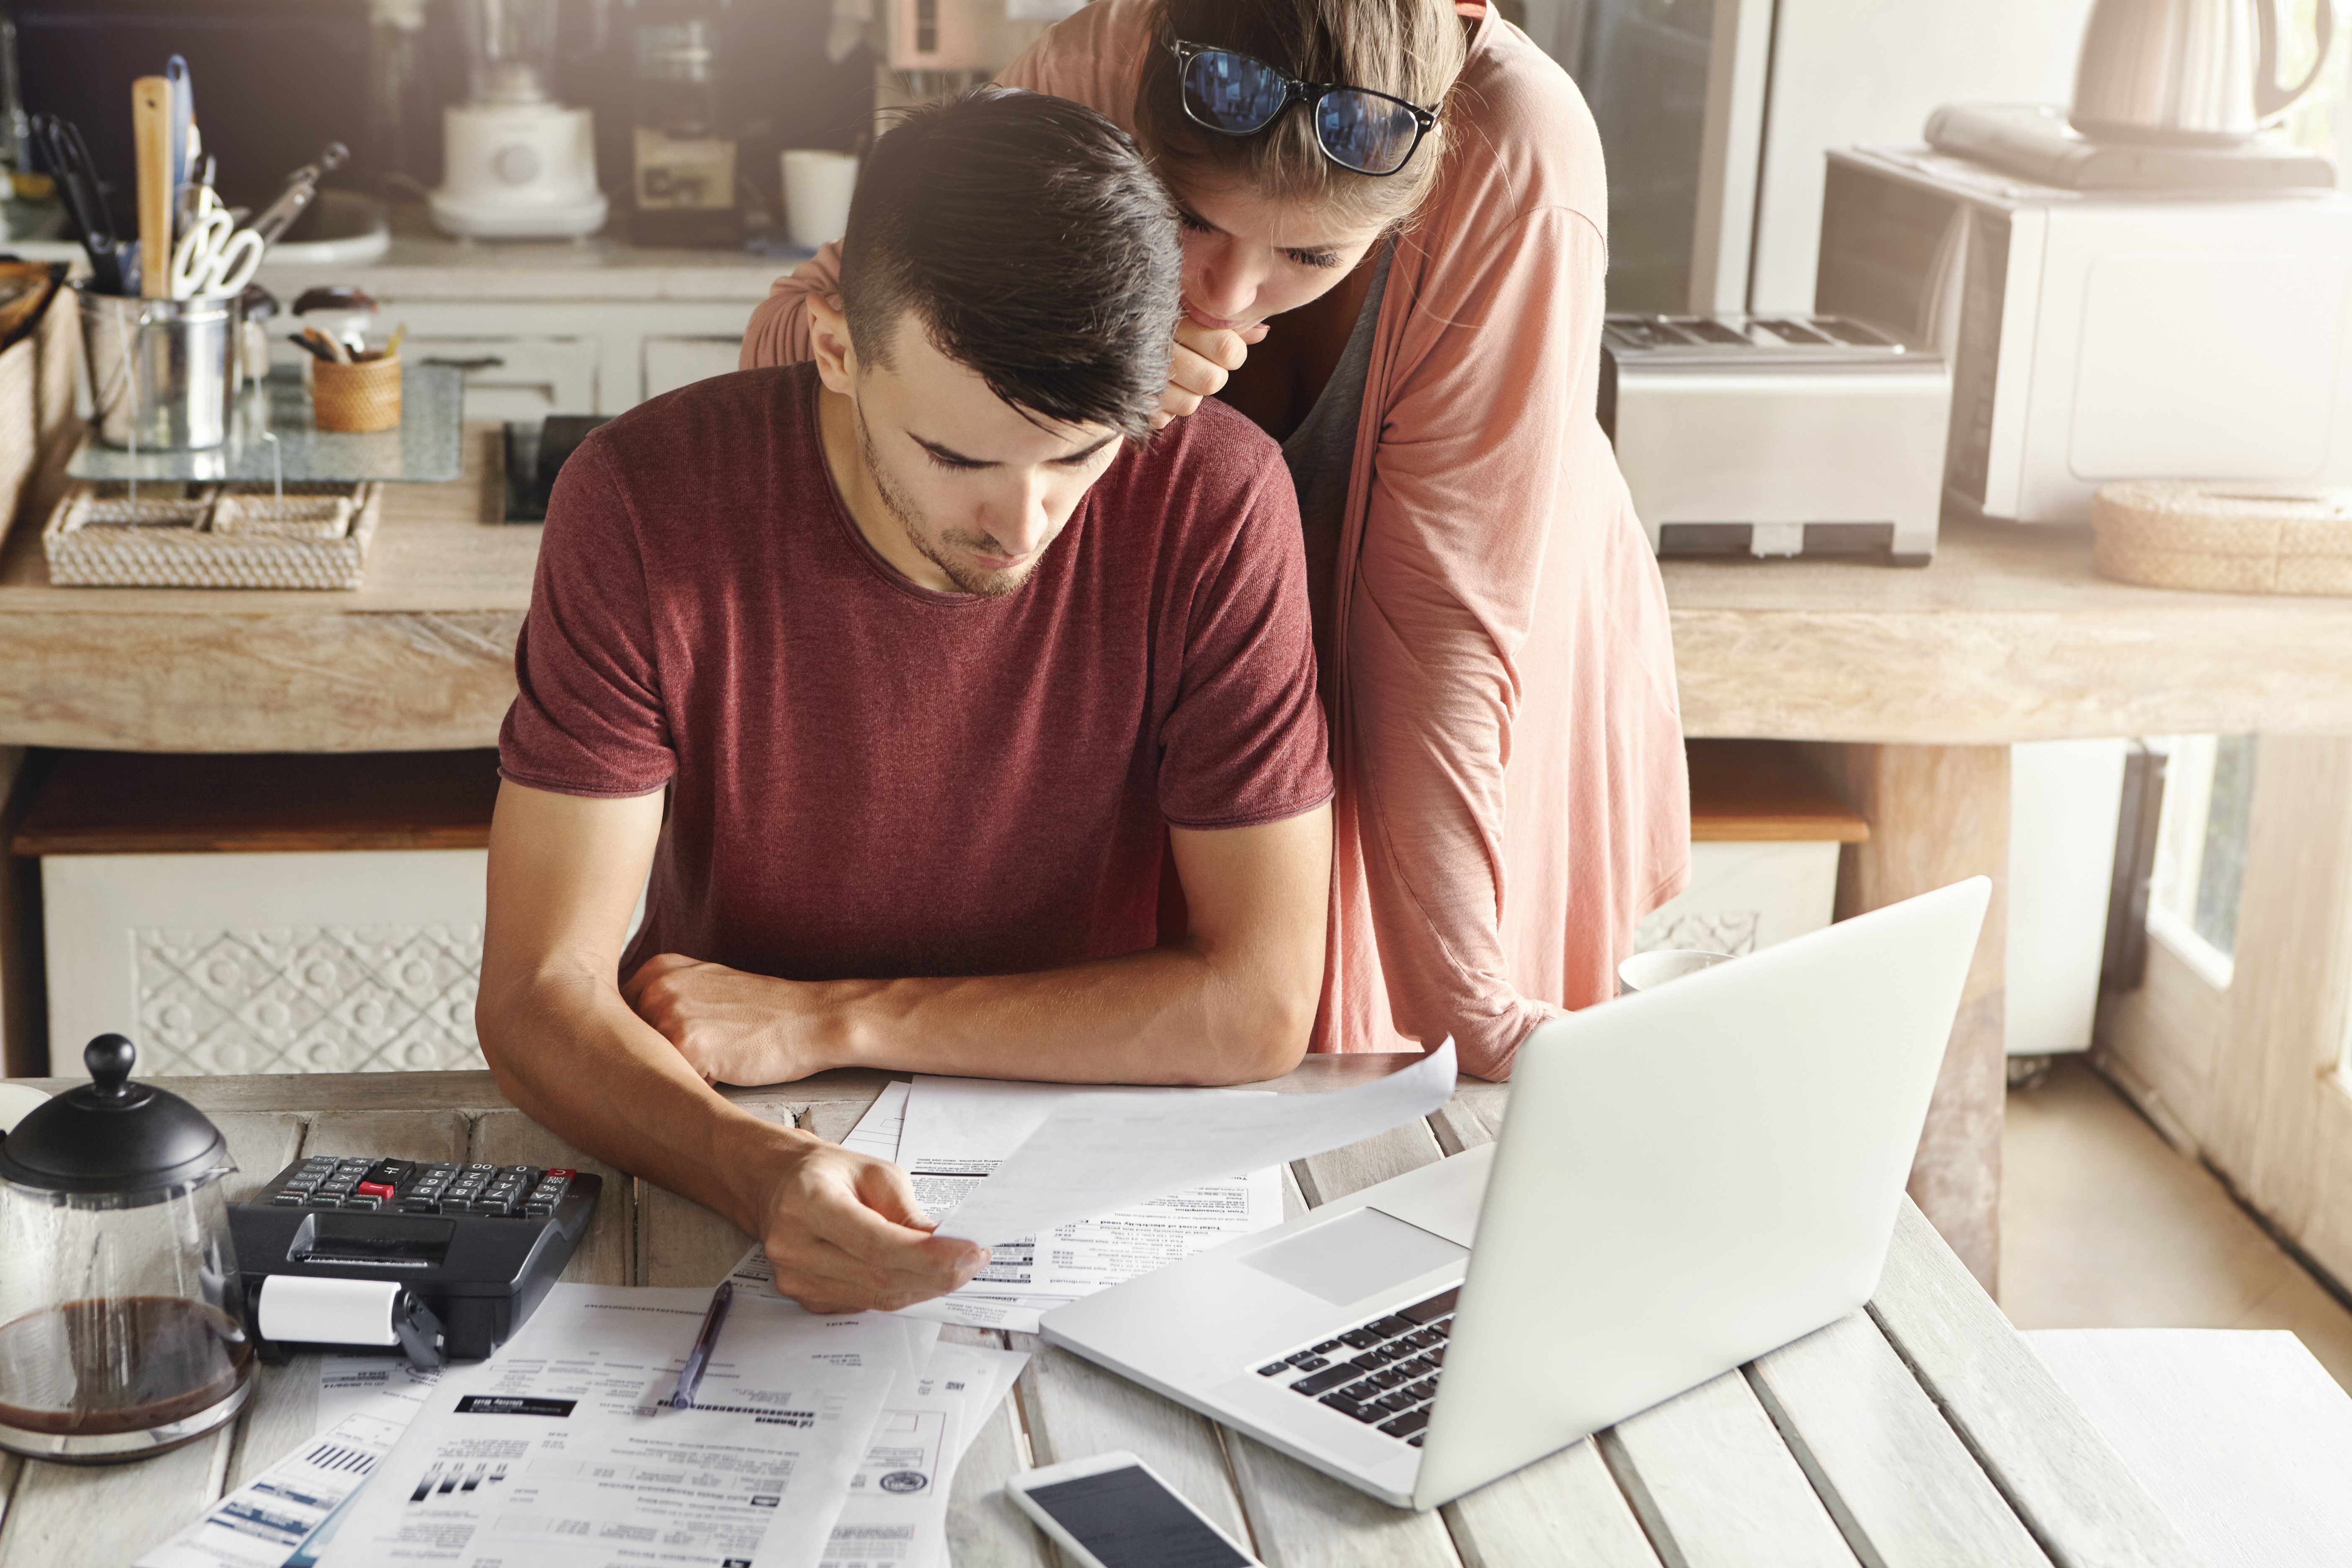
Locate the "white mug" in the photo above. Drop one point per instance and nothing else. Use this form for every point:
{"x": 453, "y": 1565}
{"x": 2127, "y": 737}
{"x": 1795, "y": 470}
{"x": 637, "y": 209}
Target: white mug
{"x": 1648, "y": 971}
{"x": 817, "y": 186}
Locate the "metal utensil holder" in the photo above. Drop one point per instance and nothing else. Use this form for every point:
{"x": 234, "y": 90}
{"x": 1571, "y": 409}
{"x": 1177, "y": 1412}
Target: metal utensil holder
{"x": 162, "y": 373}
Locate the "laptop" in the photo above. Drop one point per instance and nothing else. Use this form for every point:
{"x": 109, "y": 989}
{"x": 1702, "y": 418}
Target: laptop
{"x": 1686, "y": 1178}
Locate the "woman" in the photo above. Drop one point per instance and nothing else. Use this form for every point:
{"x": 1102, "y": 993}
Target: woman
{"x": 1425, "y": 342}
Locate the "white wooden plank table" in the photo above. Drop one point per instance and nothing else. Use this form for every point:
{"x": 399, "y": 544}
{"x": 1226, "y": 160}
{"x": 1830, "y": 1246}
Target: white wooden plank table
{"x": 1922, "y": 1432}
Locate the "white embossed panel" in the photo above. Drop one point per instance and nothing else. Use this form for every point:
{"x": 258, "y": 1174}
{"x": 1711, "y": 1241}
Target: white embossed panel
{"x": 308, "y": 999}
{"x": 1743, "y": 897}
{"x": 243, "y": 964}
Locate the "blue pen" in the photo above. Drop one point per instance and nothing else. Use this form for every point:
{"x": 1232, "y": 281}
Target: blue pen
{"x": 689, "y": 1376}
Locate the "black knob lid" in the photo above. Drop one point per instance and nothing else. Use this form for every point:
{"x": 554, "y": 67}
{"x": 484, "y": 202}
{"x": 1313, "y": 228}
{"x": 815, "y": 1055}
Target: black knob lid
{"x": 112, "y": 1140}
{"x": 108, "y": 1058}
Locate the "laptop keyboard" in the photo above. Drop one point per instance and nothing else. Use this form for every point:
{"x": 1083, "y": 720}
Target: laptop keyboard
{"x": 1383, "y": 1372}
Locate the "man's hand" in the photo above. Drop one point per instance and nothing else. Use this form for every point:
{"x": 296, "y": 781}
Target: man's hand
{"x": 1205, "y": 358}
{"x": 729, "y": 1025}
{"x": 844, "y": 1234}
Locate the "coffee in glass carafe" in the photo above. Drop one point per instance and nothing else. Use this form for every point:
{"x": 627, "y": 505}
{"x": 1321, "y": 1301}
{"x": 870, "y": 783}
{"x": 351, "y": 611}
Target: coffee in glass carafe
{"x": 122, "y": 1332}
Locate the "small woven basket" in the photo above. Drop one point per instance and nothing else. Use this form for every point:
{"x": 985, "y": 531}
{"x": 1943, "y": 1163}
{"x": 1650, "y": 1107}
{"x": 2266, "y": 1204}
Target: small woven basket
{"x": 303, "y": 512}
{"x": 97, "y": 538}
{"x": 2223, "y": 538}
{"x": 358, "y": 399}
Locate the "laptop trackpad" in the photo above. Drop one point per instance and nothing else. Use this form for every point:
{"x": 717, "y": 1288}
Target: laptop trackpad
{"x": 1359, "y": 1254}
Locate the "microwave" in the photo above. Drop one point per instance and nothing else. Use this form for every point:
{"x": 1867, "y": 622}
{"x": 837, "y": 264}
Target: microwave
{"x": 2101, "y": 336}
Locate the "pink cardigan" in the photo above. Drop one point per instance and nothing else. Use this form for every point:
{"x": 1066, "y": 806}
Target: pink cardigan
{"x": 1511, "y": 791}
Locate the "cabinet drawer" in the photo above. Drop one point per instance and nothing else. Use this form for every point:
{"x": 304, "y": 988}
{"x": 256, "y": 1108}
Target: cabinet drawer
{"x": 673, "y": 362}
{"x": 515, "y": 378}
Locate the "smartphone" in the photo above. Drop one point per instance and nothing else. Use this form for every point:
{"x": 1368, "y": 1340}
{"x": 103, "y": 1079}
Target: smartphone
{"x": 1113, "y": 1511}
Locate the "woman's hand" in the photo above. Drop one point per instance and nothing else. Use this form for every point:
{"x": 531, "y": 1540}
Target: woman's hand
{"x": 733, "y": 1026}
{"x": 1205, "y": 358}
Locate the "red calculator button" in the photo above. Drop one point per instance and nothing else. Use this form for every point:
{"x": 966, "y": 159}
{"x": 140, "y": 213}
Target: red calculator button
{"x": 559, "y": 1175}
{"x": 375, "y": 1190}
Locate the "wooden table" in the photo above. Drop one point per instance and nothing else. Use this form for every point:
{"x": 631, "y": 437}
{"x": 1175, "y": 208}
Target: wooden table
{"x": 1920, "y": 1433}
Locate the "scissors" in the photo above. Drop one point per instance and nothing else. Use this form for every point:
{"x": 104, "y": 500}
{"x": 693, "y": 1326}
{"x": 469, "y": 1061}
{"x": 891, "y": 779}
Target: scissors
{"x": 214, "y": 256}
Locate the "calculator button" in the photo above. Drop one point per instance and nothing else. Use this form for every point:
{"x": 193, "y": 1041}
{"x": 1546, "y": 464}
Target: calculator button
{"x": 493, "y": 1206}
{"x": 290, "y": 1200}
{"x": 370, "y": 1201}
{"x": 420, "y": 1205}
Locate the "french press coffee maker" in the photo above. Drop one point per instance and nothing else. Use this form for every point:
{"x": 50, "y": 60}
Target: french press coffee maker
{"x": 121, "y": 1329}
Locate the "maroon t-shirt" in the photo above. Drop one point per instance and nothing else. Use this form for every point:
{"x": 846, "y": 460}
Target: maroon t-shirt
{"x": 869, "y": 779}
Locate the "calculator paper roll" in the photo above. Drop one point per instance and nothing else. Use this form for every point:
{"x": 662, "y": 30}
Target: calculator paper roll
{"x": 298, "y": 1310}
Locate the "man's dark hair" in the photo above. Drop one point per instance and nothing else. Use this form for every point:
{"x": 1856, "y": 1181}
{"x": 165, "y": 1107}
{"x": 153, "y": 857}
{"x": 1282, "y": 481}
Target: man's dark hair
{"x": 1030, "y": 238}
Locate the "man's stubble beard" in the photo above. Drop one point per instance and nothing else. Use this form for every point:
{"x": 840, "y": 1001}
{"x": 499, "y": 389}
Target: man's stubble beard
{"x": 986, "y": 585}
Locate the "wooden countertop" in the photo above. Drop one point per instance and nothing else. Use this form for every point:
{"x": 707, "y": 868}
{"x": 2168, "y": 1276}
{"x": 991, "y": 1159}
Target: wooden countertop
{"x": 2009, "y": 636}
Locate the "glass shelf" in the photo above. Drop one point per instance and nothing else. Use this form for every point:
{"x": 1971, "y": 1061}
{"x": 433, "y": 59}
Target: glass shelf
{"x": 426, "y": 450}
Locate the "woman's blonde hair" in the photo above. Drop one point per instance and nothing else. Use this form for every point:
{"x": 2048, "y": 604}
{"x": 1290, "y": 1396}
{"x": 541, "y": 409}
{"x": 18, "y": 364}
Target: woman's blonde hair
{"x": 1412, "y": 49}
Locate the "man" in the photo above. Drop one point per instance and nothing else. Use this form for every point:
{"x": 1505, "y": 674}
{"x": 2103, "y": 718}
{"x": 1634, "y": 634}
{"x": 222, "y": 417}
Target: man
{"x": 897, "y": 670}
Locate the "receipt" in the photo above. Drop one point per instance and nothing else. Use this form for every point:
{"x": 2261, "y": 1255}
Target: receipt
{"x": 564, "y": 1446}
{"x": 1092, "y": 1151}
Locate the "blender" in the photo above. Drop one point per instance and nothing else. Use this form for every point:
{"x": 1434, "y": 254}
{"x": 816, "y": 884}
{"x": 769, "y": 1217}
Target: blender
{"x": 516, "y": 164}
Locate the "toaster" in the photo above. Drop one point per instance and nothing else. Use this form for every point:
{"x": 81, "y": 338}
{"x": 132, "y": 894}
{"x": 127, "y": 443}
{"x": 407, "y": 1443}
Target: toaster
{"x": 1776, "y": 436}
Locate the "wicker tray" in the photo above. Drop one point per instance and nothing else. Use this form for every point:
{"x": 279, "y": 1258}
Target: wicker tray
{"x": 238, "y": 536}
{"x": 2224, "y": 538}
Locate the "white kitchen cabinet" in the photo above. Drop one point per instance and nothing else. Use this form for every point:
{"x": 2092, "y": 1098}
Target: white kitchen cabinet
{"x": 591, "y": 328}
{"x": 673, "y": 362}
{"x": 2064, "y": 797}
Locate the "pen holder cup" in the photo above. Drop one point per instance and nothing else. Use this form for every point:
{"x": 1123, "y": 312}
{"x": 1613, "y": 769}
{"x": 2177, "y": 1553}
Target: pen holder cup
{"x": 356, "y": 398}
{"x": 162, "y": 373}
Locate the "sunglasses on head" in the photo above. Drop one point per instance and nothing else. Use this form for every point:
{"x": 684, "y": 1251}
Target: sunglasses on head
{"x": 1236, "y": 94}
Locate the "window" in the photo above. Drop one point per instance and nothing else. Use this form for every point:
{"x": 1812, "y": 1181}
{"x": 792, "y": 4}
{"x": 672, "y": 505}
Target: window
{"x": 2323, "y": 120}
{"x": 2200, "y": 854}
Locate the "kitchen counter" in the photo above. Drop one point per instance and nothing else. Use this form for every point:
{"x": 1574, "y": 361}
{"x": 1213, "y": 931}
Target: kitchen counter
{"x": 2008, "y": 636}
{"x": 426, "y": 264}
{"x": 1921, "y": 1430}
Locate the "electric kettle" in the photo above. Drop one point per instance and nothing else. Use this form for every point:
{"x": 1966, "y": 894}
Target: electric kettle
{"x": 122, "y": 1325}
{"x": 2186, "y": 73}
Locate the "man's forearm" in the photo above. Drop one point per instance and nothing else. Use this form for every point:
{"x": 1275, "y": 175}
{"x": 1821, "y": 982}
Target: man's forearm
{"x": 570, "y": 1054}
{"x": 1166, "y": 1015}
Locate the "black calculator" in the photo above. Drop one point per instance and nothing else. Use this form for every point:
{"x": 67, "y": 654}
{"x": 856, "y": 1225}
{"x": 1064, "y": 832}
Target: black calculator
{"x": 476, "y": 1246}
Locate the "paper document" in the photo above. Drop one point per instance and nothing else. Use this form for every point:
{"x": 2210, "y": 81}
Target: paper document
{"x": 950, "y": 1133}
{"x": 897, "y": 1515}
{"x": 1092, "y": 1153}
{"x": 563, "y": 1447}
{"x": 877, "y": 1132}
{"x": 383, "y": 1386}
{"x": 262, "y": 1523}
